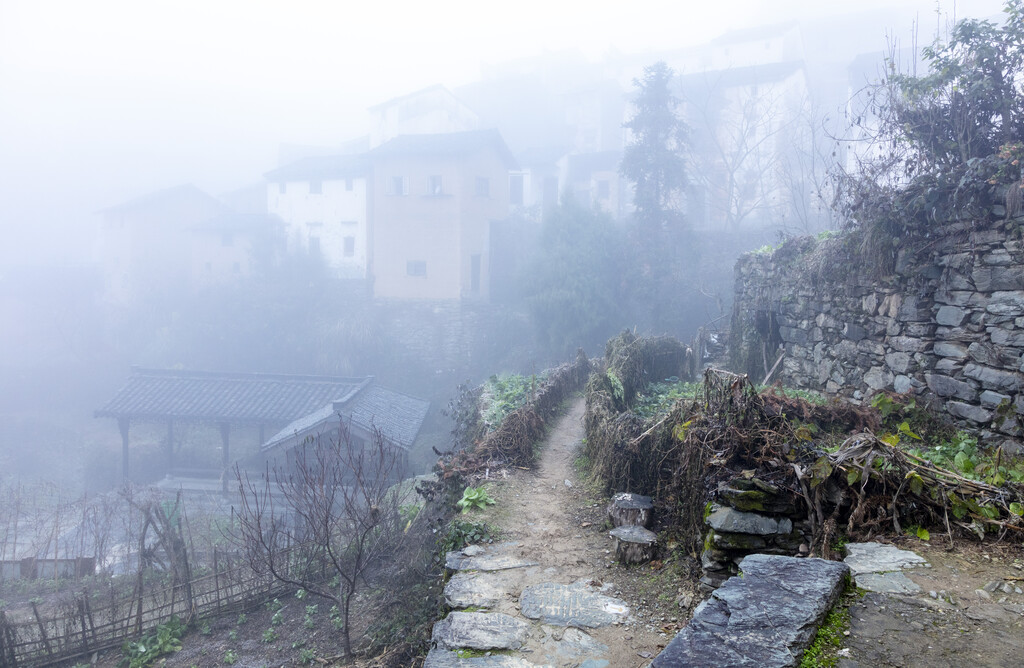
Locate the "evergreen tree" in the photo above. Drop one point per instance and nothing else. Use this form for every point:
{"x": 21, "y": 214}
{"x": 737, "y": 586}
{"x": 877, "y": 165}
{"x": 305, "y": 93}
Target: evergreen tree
{"x": 653, "y": 160}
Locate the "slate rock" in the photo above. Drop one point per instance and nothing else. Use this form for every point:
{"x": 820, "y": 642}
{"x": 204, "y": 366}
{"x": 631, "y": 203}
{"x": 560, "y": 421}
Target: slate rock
{"x": 944, "y": 386}
{"x": 474, "y": 589}
{"x": 880, "y": 558}
{"x": 571, "y": 605}
{"x": 887, "y": 583}
{"x": 442, "y": 658}
{"x": 493, "y": 558}
{"x": 733, "y": 521}
{"x": 479, "y": 630}
{"x": 766, "y": 618}
{"x": 756, "y": 495}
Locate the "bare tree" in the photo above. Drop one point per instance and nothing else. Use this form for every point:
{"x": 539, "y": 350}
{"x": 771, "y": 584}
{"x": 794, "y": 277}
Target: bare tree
{"x": 329, "y": 512}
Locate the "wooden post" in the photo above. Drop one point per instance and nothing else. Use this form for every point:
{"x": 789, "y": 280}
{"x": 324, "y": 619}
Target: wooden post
{"x": 225, "y": 433}
{"x": 170, "y": 445}
{"x": 122, "y": 424}
{"x": 42, "y": 629}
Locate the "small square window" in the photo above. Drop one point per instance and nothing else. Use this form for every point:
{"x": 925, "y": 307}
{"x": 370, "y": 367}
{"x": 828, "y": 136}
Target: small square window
{"x": 434, "y": 185}
{"x": 349, "y": 246}
{"x": 398, "y": 185}
{"x": 416, "y": 268}
{"x": 483, "y": 186}
{"x": 316, "y": 187}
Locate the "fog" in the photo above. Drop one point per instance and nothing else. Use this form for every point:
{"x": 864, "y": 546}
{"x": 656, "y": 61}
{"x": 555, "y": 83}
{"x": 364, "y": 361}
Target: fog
{"x": 103, "y": 102}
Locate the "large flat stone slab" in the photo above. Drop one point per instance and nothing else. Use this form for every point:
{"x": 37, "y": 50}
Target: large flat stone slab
{"x": 492, "y": 558}
{"x": 887, "y": 583}
{"x": 571, "y": 605}
{"x": 880, "y": 558}
{"x": 479, "y": 630}
{"x": 474, "y": 590}
{"x": 765, "y": 618}
{"x": 442, "y": 658}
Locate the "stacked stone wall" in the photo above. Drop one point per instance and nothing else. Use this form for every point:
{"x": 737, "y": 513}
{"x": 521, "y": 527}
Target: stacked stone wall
{"x": 946, "y": 324}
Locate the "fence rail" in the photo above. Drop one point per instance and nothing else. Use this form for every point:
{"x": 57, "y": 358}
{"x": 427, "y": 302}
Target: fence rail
{"x": 72, "y": 626}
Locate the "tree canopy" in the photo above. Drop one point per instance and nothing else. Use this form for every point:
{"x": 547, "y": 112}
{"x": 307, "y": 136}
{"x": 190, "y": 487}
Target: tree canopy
{"x": 653, "y": 160}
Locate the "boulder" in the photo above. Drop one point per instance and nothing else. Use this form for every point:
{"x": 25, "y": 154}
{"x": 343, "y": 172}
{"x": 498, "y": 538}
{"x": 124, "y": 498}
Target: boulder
{"x": 733, "y": 521}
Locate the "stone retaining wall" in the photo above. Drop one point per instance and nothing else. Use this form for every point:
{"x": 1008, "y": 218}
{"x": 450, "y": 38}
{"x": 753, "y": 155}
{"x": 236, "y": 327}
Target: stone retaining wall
{"x": 946, "y": 324}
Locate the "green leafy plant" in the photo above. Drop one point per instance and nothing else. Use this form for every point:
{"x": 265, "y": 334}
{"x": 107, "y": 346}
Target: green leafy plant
{"x": 269, "y": 636}
{"x": 301, "y": 594}
{"x": 205, "y": 629}
{"x": 306, "y": 655}
{"x": 458, "y": 534}
{"x": 505, "y": 393}
{"x": 230, "y": 657}
{"x": 165, "y": 639}
{"x": 232, "y": 635}
{"x": 242, "y": 619}
{"x": 276, "y": 619}
{"x": 474, "y": 497}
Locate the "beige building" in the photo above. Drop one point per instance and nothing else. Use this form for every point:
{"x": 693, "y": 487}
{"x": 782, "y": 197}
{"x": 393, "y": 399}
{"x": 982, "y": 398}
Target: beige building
{"x": 434, "y": 197}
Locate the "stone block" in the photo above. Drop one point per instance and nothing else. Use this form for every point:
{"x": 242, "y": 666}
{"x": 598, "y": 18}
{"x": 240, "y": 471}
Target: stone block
{"x": 1008, "y": 303}
{"x": 990, "y": 399}
{"x": 854, "y": 332}
{"x": 738, "y": 541}
{"x": 950, "y": 349}
{"x": 766, "y": 618}
{"x": 571, "y": 605}
{"x": 729, "y": 520}
{"x": 906, "y": 344}
{"x": 898, "y": 362}
{"x": 994, "y": 278}
{"x": 878, "y": 378}
{"x": 970, "y": 412}
{"x": 951, "y": 316}
{"x": 948, "y": 366}
{"x": 880, "y": 558}
{"x": 944, "y": 386}
{"x": 793, "y": 335}
{"x": 993, "y": 379}
{"x": 757, "y": 496}
{"x": 1004, "y": 336}
{"x": 902, "y": 384}
{"x": 479, "y": 630}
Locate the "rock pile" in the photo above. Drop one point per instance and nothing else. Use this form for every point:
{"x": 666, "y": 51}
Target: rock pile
{"x": 751, "y": 516}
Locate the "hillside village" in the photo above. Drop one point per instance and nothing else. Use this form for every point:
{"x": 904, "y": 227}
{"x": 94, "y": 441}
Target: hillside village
{"x": 707, "y": 356}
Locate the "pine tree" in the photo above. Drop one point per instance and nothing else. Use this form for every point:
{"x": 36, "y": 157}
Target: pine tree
{"x": 653, "y": 160}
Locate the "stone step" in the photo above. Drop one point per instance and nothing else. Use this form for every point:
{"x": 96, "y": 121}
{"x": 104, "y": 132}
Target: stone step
{"x": 479, "y": 630}
{"x": 571, "y": 605}
{"x": 878, "y": 567}
{"x": 766, "y": 618}
{"x": 497, "y": 557}
{"x": 468, "y": 589}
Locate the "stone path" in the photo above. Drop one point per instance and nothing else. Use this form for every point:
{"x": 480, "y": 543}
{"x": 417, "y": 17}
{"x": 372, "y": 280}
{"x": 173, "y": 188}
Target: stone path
{"x": 538, "y": 599}
{"x": 949, "y": 609}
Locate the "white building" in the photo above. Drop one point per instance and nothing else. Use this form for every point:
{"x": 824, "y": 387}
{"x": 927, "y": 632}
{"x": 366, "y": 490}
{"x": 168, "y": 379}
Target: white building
{"x": 323, "y": 202}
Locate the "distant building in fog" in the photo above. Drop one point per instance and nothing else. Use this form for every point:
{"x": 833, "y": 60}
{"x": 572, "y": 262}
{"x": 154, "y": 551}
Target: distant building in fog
{"x": 145, "y": 243}
{"x": 434, "y": 198}
{"x": 323, "y": 201}
{"x": 432, "y": 110}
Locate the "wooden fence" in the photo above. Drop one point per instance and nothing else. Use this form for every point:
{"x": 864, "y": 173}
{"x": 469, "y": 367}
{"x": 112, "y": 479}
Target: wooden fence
{"x": 72, "y": 626}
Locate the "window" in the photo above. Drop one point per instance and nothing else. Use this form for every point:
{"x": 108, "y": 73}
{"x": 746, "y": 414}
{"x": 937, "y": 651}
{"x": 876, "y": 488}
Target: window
{"x": 314, "y": 245}
{"x": 515, "y": 189}
{"x": 434, "y": 185}
{"x": 416, "y": 268}
{"x": 397, "y": 185}
{"x": 348, "y": 184}
{"x": 483, "y": 186}
{"x": 474, "y": 273}
{"x": 350, "y": 246}
{"x": 603, "y": 189}
{"x": 316, "y": 187}
{"x": 282, "y": 187}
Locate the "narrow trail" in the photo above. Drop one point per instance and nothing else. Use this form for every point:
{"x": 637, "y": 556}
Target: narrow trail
{"x": 552, "y": 532}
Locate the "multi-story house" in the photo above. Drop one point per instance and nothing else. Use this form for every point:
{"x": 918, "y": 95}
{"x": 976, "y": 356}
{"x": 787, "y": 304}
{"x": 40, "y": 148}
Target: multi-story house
{"x": 323, "y": 201}
{"x": 434, "y": 197}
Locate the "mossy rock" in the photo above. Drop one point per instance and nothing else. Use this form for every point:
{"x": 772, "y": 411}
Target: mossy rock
{"x": 757, "y": 496}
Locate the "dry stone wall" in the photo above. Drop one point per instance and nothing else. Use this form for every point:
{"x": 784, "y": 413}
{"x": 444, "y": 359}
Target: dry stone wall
{"x": 946, "y": 324}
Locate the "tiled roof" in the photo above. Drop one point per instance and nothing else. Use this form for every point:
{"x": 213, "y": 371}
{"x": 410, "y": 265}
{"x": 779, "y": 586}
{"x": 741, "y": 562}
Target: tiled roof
{"x": 397, "y": 415}
{"x": 446, "y": 144}
{"x": 162, "y": 197}
{"x": 226, "y": 397}
{"x": 320, "y": 167}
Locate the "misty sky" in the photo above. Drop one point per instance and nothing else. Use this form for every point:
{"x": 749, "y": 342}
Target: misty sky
{"x": 101, "y": 101}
